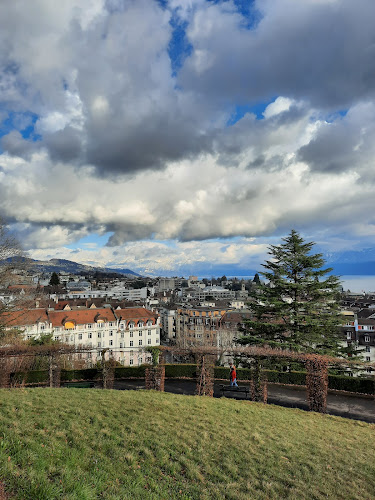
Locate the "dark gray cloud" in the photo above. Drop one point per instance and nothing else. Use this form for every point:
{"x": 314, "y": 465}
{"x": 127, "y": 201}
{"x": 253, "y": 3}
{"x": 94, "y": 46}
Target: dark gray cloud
{"x": 345, "y": 144}
{"x": 320, "y": 51}
{"x": 64, "y": 145}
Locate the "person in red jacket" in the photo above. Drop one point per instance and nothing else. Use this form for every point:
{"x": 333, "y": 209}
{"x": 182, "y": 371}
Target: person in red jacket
{"x": 233, "y": 376}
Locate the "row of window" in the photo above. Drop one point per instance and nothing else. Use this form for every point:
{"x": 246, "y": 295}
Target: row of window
{"x": 122, "y": 334}
{"x": 103, "y": 324}
{"x": 122, "y": 344}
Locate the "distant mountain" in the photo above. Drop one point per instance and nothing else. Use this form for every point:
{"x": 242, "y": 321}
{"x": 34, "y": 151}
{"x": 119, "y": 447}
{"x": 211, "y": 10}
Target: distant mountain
{"x": 68, "y": 266}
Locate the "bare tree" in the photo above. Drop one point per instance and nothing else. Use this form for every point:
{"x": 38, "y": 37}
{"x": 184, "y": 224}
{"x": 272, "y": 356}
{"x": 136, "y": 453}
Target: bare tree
{"x": 10, "y": 260}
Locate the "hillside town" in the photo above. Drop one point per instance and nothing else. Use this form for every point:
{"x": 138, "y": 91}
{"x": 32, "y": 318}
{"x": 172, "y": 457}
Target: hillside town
{"x": 123, "y": 314}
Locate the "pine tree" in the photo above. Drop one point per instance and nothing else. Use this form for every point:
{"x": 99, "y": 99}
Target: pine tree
{"x": 298, "y": 308}
{"x": 55, "y": 280}
{"x": 256, "y": 279}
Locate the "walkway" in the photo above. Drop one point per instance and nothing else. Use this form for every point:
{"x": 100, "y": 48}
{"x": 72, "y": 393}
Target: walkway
{"x": 355, "y": 407}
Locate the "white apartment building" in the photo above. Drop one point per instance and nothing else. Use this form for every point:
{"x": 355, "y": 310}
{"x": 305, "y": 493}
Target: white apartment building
{"x": 123, "y": 332}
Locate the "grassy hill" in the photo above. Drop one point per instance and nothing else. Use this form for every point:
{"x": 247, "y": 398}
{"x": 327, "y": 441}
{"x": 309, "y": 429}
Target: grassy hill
{"x": 88, "y": 444}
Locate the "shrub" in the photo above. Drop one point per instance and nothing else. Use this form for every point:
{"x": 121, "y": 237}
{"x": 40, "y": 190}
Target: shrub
{"x": 36, "y": 376}
{"x": 181, "y": 370}
{"x": 352, "y": 384}
{"x": 130, "y": 371}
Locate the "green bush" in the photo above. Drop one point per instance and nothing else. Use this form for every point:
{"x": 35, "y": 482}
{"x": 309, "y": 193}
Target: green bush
{"x": 130, "y": 371}
{"x": 35, "y": 376}
{"x": 181, "y": 370}
{"x": 85, "y": 374}
{"x": 352, "y": 384}
{"x": 292, "y": 378}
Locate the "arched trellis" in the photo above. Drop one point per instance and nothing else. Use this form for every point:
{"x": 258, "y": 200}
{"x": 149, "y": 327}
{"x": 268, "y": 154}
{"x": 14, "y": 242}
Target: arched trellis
{"x": 21, "y": 357}
{"x": 316, "y": 368}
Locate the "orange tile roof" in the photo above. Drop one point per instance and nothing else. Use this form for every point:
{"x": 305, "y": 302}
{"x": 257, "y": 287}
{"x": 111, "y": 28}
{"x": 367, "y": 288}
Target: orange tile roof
{"x": 136, "y": 314}
{"x": 23, "y": 317}
{"x": 81, "y": 316}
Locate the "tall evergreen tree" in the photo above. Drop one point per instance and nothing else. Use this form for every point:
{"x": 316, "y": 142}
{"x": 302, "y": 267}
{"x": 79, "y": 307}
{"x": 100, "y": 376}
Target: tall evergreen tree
{"x": 55, "y": 280}
{"x": 256, "y": 279}
{"x": 298, "y": 308}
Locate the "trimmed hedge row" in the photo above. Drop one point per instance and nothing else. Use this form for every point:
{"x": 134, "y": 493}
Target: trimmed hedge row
{"x": 130, "y": 371}
{"x": 338, "y": 382}
{"x": 352, "y": 384}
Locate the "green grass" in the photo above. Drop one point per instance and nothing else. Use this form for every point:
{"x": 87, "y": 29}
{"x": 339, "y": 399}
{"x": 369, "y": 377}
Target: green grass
{"x": 88, "y": 444}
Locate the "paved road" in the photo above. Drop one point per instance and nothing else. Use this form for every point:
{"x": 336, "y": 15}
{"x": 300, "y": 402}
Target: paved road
{"x": 355, "y": 407}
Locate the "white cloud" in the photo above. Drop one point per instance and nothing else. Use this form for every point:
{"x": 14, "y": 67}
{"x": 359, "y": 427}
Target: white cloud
{"x": 131, "y": 149}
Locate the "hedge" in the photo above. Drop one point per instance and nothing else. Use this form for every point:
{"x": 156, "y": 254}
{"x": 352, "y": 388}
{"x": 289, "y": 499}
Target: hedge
{"x": 338, "y": 382}
{"x": 130, "y": 371}
{"x": 85, "y": 374}
{"x": 181, "y": 370}
{"x": 352, "y": 384}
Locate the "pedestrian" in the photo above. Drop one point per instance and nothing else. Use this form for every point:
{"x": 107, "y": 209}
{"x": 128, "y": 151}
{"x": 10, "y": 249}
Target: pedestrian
{"x": 233, "y": 376}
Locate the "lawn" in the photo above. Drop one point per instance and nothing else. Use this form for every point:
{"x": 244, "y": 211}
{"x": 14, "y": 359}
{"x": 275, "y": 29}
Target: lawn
{"x": 88, "y": 444}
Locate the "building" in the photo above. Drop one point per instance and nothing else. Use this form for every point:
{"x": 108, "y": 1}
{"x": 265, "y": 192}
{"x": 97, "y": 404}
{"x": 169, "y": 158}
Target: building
{"x": 123, "y": 332}
{"x": 168, "y": 323}
{"x": 196, "y": 326}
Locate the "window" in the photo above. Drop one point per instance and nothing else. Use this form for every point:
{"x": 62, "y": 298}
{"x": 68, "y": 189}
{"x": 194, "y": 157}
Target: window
{"x": 122, "y": 335}
{"x": 368, "y": 348}
{"x": 80, "y": 336}
{"x": 100, "y": 325}
{"x": 56, "y": 337}
{"x": 131, "y": 334}
{"x": 122, "y": 326}
{"x": 89, "y": 335}
{"x": 111, "y": 342}
{"x": 149, "y": 332}
{"x": 42, "y": 327}
{"x": 131, "y": 362}
{"x": 149, "y": 341}
{"x": 368, "y": 358}
{"x": 99, "y": 345}
{"x": 140, "y": 334}
{"x": 140, "y": 324}
{"x": 348, "y": 335}
{"x": 111, "y": 333}
{"x": 367, "y": 338}
{"x": 89, "y": 326}
{"x": 131, "y": 343}
{"x": 131, "y": 325}
{"x": 121, "y": 345}
{"x": 111, "y": 323}
{"x": 156, "y": 341}
{"x": 89, "y": 355}
{"x": 140, "y": 342}
{"x": 99, "y": 335}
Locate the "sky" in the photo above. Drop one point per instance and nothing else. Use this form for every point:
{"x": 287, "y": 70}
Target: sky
{"x": 179, "y": 137}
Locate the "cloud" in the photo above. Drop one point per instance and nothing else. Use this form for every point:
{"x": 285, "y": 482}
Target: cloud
{"x": 172, "y": 257}
{"x": 321, "y": 51}
{"x": 104, "y": 132}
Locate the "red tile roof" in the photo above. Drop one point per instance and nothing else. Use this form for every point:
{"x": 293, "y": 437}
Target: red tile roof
{"x": 81, "y": 316}
{"x": 136, "y": 314}
{"x": 23, "y": 317}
